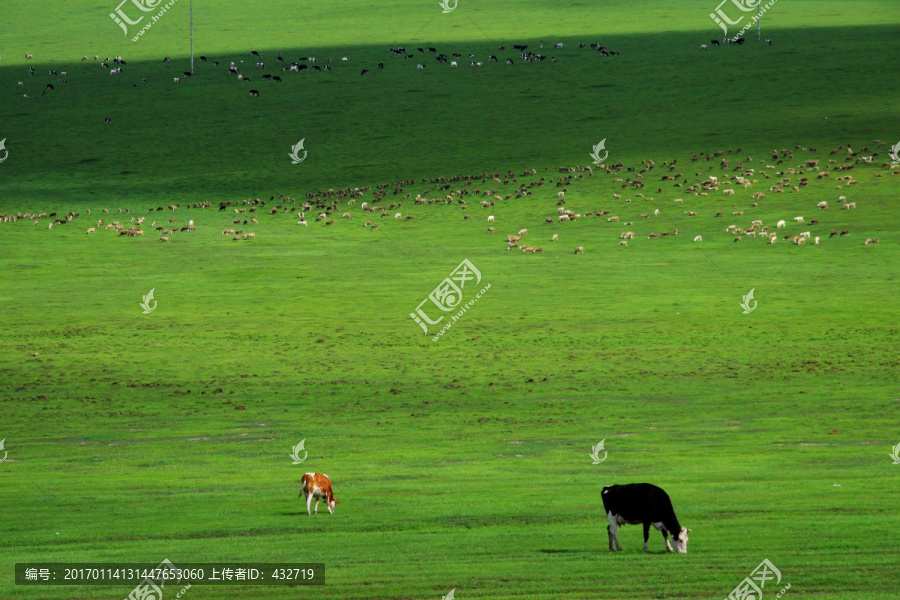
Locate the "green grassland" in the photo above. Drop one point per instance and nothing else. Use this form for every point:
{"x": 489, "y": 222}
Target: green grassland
{"x": 461, "y": 463}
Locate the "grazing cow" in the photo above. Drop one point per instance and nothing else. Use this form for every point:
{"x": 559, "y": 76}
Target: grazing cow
{"x": 318, "y": 485}
{"x": 646, "y": 504}
{"x": 364, "y": 71}
{"x": 703, "y": 46}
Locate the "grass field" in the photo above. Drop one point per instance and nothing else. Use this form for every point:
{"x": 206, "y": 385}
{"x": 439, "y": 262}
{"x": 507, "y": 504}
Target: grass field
{"x": 463, "y": 462}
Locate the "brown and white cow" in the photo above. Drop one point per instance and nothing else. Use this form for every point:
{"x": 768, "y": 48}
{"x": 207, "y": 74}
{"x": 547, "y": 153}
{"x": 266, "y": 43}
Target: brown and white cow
{"x": 318, "y": 485}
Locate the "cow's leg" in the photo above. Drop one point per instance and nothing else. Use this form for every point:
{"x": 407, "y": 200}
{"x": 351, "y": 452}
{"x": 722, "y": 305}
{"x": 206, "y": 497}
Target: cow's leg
{"x": 665, "y": 535}
{"x": 317, "y": 505}
{"x": 613, "y": 531}
{"x": 646, "y": 536}
{"x": 309, "y": 498}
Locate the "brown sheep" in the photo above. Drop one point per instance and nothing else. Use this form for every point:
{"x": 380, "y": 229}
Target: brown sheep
{"x": 579, "y": 250}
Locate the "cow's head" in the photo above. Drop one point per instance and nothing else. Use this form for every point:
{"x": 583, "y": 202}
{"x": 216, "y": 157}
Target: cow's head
{"x": 331, "y": 505}
{"x": 681, "y": 540}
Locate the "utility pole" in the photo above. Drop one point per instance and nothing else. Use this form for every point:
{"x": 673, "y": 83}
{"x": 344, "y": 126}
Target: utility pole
{"x": 759, "y": 21}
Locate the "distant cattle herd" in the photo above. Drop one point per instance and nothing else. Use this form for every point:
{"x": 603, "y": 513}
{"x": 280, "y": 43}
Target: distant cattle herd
{"x": 311, "y": 63}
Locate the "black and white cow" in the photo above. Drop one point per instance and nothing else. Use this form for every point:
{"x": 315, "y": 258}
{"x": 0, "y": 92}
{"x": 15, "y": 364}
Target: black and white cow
{"x": 645, "y": 504}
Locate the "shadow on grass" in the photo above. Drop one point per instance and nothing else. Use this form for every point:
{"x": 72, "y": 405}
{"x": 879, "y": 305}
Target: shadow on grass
{"x": 207, "y": 138}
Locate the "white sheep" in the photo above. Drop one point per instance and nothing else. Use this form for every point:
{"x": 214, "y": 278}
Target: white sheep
{"x": 698, "y": 238}
{"x": 491, "y": 219}
{"x": 780, "y": 224}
